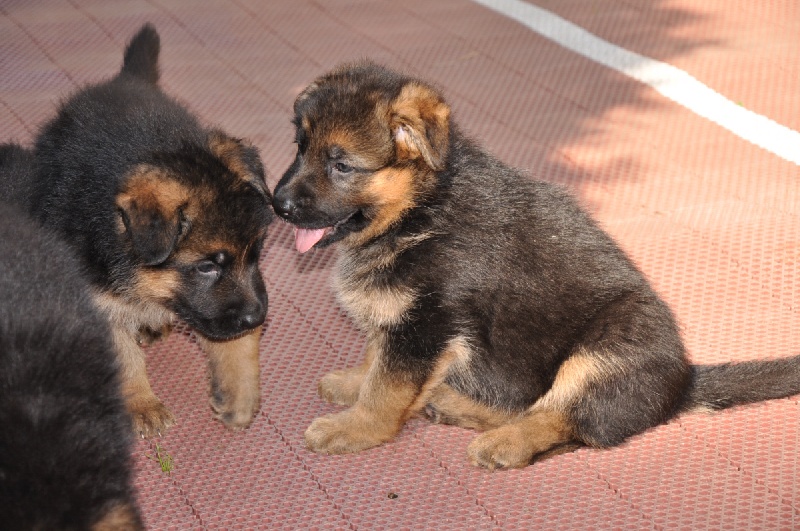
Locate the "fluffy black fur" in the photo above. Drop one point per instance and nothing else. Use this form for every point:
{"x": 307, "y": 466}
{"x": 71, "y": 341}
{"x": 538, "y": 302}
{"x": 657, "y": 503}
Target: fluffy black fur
{"x": 16, "y": 175}
{"x": 168, "y": 218}
{"x": 512, "y": 265}
{"x": 65, "y": 437}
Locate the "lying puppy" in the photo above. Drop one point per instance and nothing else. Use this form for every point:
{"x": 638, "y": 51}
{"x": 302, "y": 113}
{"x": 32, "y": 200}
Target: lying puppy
{"x": 169, "y": 219}
{"x": 65, "y": 439}
{"x": 489, "y": 300}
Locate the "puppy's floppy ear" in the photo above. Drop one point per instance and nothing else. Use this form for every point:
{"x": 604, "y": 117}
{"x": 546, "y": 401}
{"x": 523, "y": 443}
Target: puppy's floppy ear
{"x": 241, "y": 158}
{"x": 151, "y": 205}
{"x": 420, "y": 122}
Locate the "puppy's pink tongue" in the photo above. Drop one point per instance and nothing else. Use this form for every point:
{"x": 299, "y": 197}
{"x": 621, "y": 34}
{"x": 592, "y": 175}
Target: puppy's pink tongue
{"x": 304, "y": 239}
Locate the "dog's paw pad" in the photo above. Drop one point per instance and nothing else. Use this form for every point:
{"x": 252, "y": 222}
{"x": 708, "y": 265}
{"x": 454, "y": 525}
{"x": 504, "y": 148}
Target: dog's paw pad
{"x": 334, "y": 434}
{"x": 496, "y": 449}
{"x": 340, "y": 387}
{"x": 151, "y": 419}
{"x": 235, "y": 414}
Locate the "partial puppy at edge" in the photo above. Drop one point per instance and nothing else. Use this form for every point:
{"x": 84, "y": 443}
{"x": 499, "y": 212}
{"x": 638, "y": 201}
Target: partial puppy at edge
{"x": 65, "y": 441}
{"x": 169, "y": 218}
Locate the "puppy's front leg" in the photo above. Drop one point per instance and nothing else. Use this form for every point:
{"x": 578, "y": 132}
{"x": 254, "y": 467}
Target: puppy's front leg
{"x": 386, "y": 399}
{"x": 376, "y": 417}
{"x": 235, "y": 395}
{"x": 343, "y": 386}
{"x": 150, "y": 417}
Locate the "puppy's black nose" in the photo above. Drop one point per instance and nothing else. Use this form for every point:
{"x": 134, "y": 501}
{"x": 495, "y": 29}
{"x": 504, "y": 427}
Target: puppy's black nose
{"x": 252, "y": 316}
{"x": 284, "y": 206}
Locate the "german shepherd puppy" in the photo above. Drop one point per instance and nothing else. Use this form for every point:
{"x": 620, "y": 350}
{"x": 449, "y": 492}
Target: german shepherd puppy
{"x": 488, "y": 300}
{"x": 169, "y": 218}
{"x": 65, "y": 440}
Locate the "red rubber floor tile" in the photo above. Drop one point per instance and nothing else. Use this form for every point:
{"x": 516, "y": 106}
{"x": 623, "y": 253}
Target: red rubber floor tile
{"x": 710, "y": 218}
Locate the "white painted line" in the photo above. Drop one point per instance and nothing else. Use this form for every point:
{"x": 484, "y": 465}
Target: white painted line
{"x": 671, "y": 82}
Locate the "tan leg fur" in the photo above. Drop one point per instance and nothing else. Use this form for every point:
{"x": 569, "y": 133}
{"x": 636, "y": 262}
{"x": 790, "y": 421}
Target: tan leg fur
{"x": 383, "y": 405}
{"x": 234, "y": 378}
{"x": 342, "y": 387}
{"x": 150, "y": 417}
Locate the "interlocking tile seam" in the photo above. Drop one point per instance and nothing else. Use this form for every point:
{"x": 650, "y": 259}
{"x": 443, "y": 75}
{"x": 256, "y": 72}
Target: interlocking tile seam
{"x": 650, "y": 519}
{"x": 112, "y": 37}
{"x": 564, "y": 157}
{"x": 309, "y": 322}
{"x": 16, "y": 116}
{"x": 151, "y": 443}
{"x": 449, "y": 473}
{"x": 736, "y": 264}
{"x": 40, "y": 46}
{"x": 269, "y": 29}
{"x": 31, "y": 129}
{"x": 211, "y": 52}
{"x": 739, "y": 466}
{"x": 317, "y": 481}
{"x": 532, "y": 80}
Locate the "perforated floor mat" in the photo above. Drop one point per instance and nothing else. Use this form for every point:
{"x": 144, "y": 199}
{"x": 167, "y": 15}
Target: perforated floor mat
{"x": 711, "y": 219}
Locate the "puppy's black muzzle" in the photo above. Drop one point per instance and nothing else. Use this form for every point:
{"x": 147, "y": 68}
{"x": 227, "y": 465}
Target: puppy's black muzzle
{"x": 288, "y": 205}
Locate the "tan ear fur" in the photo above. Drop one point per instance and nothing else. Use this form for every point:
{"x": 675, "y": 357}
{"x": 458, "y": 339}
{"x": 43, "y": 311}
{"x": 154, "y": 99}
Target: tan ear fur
{"x": 420, "y": 123}
{"x": 241, "y": 158}
{"x": 151, "y": 205}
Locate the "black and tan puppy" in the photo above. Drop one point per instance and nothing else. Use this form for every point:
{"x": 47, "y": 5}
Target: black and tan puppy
{"x": 488, "y": 300}
{"x": 65, "y": 438}
{"x": 169, "y": 218}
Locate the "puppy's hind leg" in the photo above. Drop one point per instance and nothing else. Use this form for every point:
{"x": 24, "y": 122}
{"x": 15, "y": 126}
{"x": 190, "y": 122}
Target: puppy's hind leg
{"x": 541, "y": 433}
{"x": 447, "y": 406}
{"x": 547, "y": 428}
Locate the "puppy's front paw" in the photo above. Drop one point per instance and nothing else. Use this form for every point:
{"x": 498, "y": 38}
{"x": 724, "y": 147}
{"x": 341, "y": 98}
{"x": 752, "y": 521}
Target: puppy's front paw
{"x": 236, "y": 408}
{"x": 503, "y": 447}
{"x": 146, "y": 336}
{"x": 344, "y": 432}
{"x": 341, "y": 387}
{"x": 150, "y": 417}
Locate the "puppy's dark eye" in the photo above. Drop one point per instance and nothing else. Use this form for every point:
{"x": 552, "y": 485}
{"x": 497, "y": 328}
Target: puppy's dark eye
{"x": 342, "y": 167}
{"x": 207, "y": 267}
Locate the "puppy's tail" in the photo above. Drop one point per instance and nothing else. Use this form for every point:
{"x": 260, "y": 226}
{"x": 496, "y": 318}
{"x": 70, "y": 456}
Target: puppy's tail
{"x": 141, "y": 55}
{"x": 730, "y": 384}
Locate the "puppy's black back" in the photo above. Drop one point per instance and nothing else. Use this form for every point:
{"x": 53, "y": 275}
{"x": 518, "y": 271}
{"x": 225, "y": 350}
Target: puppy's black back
{"x": 80, "y": 162}
{"x": 16, "y": 175}
{"x": 65, "y": 437}
{"x": 546, "y": 281}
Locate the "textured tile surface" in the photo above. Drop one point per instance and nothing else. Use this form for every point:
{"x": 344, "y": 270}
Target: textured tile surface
{"x": 713, "y": 221}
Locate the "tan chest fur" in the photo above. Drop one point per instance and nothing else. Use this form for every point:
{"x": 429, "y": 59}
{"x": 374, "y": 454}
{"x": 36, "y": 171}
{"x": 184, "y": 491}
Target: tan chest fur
{"x": 130, "y": 316}
{"x": 369, "y": 304}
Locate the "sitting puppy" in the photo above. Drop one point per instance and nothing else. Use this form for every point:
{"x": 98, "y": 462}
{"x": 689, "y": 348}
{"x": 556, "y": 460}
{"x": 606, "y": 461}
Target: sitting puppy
{"x": 65, "y": 439}
{"x": 489, "y": 300}
{"x": 169, "y": 219}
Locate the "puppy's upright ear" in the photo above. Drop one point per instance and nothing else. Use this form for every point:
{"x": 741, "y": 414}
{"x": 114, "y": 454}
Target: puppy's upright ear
{"x": 420, "y": 122}
{"x": 242, "y": 158}
{"x": 151, "y": 206}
